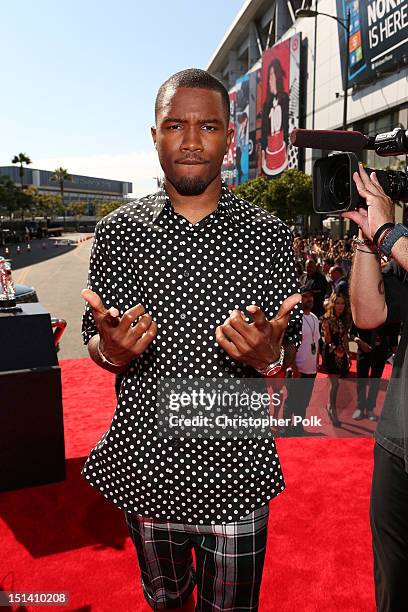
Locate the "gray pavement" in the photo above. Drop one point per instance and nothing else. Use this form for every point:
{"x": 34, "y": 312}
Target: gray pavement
{"x": 58, "y": 273}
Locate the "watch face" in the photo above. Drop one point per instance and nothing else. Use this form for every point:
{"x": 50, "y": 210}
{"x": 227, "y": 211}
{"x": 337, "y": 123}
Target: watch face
{"x": 273, "y": 370}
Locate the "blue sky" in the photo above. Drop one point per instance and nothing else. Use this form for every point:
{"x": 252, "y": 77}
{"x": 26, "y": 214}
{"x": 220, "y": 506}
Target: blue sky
{"x": 80, "y": 77}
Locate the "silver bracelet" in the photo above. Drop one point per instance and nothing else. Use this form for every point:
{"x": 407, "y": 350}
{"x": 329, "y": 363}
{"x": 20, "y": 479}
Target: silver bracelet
{"x": 363, "y": 241}
{"x": 105, "y": 360}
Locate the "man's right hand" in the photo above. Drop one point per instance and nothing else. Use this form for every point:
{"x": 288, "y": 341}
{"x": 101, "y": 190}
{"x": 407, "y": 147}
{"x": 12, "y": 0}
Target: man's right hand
{"x": 121, "y": 342}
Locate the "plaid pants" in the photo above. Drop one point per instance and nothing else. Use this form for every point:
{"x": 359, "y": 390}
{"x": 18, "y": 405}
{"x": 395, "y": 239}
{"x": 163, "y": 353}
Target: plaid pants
{"x": 229, "y": 562}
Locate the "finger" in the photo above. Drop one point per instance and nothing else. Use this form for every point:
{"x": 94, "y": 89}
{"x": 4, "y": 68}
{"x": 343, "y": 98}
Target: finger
{"x": 287, "y": 306}
{"x": 147, "y": 338}
{"x": 238, "y": 321}
{"x": 369, "y": 186}
{"x": 130, "y": 316}
{"x": 225, "y": 344}
{"x": 377, "y": 183}
{"x": 94, "y": 301}
{"x": 355, "y": 216}
{"x": 258, "y": 316}
{"x": 141, "y": 327}
{"x": 100, "y": 314}
{"x": 235, "y": 337}
{"x": 360, "y": 185}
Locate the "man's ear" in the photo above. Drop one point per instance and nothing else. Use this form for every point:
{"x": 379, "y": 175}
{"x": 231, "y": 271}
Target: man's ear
{"x": 153, "y": 133}
{"x": 230, "y": 136}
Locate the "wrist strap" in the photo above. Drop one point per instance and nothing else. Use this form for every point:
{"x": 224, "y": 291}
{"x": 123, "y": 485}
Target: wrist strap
{"x": 368, "y": 252}
{"x": 380, "y": 231}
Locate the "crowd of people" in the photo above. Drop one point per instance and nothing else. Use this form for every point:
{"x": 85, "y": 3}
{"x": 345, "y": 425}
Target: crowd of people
{"x": 323, "y": 267}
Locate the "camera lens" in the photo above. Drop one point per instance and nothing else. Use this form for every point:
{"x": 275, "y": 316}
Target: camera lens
{"x": 339, "y": 185}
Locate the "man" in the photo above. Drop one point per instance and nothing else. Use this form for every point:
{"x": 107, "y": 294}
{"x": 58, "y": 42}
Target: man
{"x": 379, "y": 297}
{"x": 339, "y": 283}
{"x": 318, "y": 283}
{"x": 305, "y": 367}
{"x": 171, "y": 276}
{"x": 373, "y": 348}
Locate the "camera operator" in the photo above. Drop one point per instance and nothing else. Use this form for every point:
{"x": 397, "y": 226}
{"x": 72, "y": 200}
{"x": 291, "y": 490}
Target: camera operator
{"x": 378, "y": 297}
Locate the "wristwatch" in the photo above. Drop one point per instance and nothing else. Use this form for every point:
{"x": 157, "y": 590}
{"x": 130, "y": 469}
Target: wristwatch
{"x": 274, "y": 367}
{"x": 397, "y": 232}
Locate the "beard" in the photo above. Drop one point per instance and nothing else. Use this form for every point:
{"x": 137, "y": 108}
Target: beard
{"x": 190, "y": 186}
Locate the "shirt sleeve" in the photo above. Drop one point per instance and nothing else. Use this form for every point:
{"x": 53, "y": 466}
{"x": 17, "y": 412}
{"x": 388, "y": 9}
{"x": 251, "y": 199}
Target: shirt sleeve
{"x": 396, "y": 292}
{"x": 101, "y": 279}
{"x": 283, "y": 283}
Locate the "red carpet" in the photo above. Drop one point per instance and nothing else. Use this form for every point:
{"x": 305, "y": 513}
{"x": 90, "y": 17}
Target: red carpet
{"x": 66, "y": 537}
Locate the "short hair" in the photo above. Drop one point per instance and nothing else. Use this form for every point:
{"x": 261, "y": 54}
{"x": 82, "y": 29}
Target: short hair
{"x": 338, "y": 269}
{"x": 193, "y": 77}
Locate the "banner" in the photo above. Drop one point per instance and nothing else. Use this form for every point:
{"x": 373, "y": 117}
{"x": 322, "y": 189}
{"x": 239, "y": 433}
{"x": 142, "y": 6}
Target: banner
{"x": 229, "y": 171}
{"x": 280, "y": 106}
{"x": 255, "y": 92}
{"x": 242, "y": 130}
{"x": 378, "y": 37}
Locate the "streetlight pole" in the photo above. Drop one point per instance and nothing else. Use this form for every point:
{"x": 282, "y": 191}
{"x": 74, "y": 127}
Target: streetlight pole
{"x": 346, "y": 69}
{"x": 345, "y": 23}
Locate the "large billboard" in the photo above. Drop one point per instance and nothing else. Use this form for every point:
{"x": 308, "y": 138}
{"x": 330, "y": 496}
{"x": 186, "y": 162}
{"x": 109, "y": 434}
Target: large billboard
{"x": 378, "y": 37}
{"x": 264, "y": 109}
{"x": 280, "y": 106}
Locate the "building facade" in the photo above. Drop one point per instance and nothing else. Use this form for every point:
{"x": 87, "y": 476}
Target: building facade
{"x": 87, "y": 189}
{"x": 377, "y": 75}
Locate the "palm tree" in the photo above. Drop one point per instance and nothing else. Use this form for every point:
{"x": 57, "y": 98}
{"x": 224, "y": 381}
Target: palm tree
{"x": 60, "y": 175}
{"x": 21, "y": 159}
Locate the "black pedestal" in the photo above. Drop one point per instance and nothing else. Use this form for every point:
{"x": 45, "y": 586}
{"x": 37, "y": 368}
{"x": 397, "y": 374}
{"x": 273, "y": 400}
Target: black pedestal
{"x": 32, "y": 448}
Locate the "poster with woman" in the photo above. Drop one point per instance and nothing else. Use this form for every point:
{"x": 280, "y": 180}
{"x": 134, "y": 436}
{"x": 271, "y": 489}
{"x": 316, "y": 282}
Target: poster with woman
{"x": 280, "y": 105}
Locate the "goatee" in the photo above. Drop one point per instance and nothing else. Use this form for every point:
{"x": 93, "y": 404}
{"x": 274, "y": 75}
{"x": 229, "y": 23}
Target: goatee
{"x": 190, "y": 186}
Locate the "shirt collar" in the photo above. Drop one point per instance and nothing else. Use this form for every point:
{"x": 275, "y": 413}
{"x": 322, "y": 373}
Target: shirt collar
{"x": 228, "y": 202}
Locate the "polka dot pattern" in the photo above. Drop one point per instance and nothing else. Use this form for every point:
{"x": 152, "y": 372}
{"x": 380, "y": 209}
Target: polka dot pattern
{"x": 189, "y": 277}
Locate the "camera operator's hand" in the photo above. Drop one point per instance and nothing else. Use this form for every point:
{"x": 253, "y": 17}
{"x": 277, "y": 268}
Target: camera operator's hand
{"x": 380, "y": 207}
{"x": 120, "y": 342}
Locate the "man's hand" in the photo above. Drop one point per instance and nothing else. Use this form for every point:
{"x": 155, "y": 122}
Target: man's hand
{"x": 380, "y": 206}
{"x": 257, "y": 344}
{"x": 121, "y": 342}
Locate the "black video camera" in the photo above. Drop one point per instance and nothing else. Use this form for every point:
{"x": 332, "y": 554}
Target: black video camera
{"x": 334, "y": 190}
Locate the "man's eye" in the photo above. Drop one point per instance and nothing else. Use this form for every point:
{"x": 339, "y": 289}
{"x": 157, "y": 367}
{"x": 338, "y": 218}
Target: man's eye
{"x": 175, "y": 126}
{"x": 209, "y": 128}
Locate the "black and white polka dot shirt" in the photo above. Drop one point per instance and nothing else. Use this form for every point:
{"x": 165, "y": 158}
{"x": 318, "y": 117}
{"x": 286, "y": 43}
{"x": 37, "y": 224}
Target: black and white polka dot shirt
{"x": 189, "y": 277}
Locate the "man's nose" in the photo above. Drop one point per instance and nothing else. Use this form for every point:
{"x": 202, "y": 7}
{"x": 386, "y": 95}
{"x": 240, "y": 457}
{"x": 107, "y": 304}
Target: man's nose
{"x": 192, "y": 140}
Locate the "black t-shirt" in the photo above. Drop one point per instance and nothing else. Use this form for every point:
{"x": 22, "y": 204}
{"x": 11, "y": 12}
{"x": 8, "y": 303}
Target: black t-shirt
{"x": 392, "y": 430}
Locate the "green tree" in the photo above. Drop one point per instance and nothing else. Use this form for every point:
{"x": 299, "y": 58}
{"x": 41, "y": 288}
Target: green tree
{"x": 60, "y": 175}
{"x": 107, "y": 207}
{"x": 8, "y": 195}
{"x": 287, "y": 196}
{"x": 12, "y": 199}
{"x": 254, "y": 191}
{"x": 21, "y": 159}
{"x": 291, "y": 195}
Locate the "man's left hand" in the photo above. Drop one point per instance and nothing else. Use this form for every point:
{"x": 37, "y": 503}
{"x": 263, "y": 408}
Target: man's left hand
{"x": 380, "y": 207}
{"x": 257, "y": 344}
